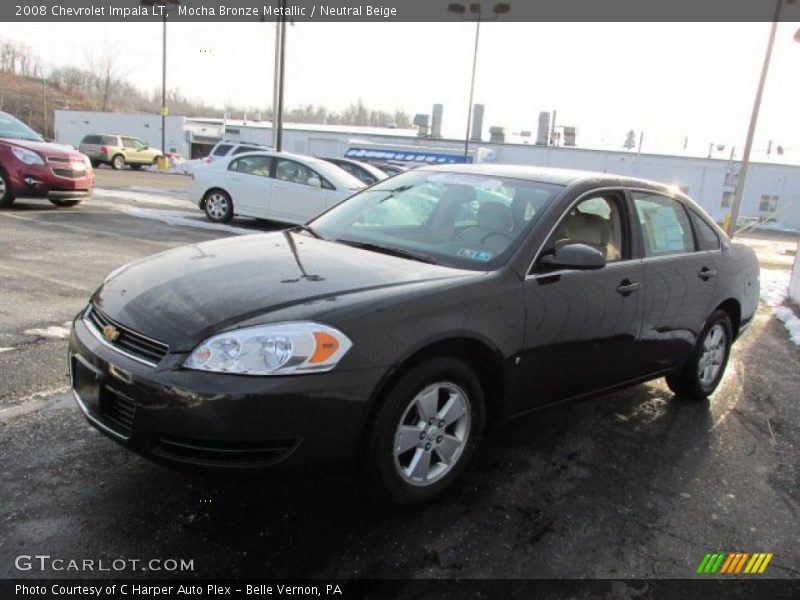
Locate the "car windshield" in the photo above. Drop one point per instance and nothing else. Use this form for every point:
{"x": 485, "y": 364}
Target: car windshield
{"x": 11, "y": 128}
{"x": 456, "y": 219}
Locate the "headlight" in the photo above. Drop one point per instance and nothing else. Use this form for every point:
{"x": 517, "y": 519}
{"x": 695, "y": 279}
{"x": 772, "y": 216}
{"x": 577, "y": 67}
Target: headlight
{"x": 27, "y": 156}
{"x": 281, "y": 349}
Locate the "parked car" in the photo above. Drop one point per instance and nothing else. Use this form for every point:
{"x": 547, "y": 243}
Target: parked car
{"x": 390, "y": 332}
{"x": 270, "y": 185}
{"x": 118, "y": 151}
{"x": 226, "y": 149}
{"x": 362, "y": 171}
{"x": 390, "y": 169}
{"x": 30, "y": 166}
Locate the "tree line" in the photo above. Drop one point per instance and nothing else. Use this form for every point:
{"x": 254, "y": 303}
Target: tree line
{"x": 31, "y": 90}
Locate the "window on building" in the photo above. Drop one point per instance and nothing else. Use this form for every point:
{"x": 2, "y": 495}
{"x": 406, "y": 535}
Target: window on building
{"x": 768, "y": 203}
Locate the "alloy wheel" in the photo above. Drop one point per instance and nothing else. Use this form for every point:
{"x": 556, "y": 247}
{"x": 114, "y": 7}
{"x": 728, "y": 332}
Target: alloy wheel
{"x": 712, "y": 355}
{"x": 217, "y": 206}
{"x": 432, "y": 433}
{"x": 2, "y": 186}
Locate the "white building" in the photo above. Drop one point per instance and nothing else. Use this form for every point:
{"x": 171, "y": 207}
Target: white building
{"x": 772, "y": 190}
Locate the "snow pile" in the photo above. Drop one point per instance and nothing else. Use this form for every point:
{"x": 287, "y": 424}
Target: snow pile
{"x": 183, "y": 219}
{"x": 790, "y": 320}
{"x": 774, "y": 288}
{"x": 149, "y": 197}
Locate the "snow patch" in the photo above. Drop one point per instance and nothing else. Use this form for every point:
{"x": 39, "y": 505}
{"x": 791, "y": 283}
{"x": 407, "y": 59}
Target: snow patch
{"x": 182, "y": 219}
{"x": 58, "y": 332}
{"x": 774, "y": 286}
{"x": 152, "y": 198}
{"x": 5, "y": 350}
{"x": 774, "y": 290}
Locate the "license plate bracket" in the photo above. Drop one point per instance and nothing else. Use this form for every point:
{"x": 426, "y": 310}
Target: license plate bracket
{"x": 87, "y": 381}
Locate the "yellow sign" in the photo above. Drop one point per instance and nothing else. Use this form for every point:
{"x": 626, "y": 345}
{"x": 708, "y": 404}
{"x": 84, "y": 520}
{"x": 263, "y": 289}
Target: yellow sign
{"x": 164, "y": 111}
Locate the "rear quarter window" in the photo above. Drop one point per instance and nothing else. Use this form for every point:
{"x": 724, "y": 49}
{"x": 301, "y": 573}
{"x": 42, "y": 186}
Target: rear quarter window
{"x": 707, "y": 238}
{"x": 222, "y": 149}
{"x": 92, "y": 139}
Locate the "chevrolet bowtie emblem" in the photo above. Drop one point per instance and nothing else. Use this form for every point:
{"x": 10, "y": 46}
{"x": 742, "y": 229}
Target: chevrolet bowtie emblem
{"x": 110, "y": 333}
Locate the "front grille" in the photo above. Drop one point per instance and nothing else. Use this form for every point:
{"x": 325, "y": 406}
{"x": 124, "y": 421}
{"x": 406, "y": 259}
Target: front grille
{"x": 118, "y": 411}
{"x": 70, "y": 173}
{"x": 223, "y": 453}
{"x": 59, "y": 159}
{"x": 128, "y": 342}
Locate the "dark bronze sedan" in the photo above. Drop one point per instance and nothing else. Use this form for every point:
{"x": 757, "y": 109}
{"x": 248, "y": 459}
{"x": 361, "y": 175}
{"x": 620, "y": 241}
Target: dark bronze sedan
{"x": 390, "y": 331}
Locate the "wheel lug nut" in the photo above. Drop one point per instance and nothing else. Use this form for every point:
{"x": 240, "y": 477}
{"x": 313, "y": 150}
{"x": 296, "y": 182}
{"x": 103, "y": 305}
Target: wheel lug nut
{"x": 439, "y": 440}
{"x": 428, "y": 446}
{"x": 441, "y": 423}
{"x": 422, "y": 435}
{"x": 430, "y": 421}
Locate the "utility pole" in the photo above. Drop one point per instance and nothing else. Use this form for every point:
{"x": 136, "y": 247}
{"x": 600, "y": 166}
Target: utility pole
{"x": 733, "y": 216}
{"x": 280, "y": 63}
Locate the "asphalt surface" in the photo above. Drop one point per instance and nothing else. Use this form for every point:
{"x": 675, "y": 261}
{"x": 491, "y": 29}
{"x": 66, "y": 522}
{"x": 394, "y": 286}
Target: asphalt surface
{"x": 634, "y": 484}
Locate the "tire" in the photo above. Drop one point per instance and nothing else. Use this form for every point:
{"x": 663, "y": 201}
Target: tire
{"x": 423, "y": 470}
{"x": 136, "y": 167}
{"x": 6, "y": 198}
{"x": 702, "y": 373}
{"x": 66, "y": 202}
{"x": 218, "y": 206}
{"x": 118, "y": 162}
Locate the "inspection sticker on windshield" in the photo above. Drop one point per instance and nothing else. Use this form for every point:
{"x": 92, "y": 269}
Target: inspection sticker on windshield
{"x": 461, "y": 179}
{"x": 480, "y": 255}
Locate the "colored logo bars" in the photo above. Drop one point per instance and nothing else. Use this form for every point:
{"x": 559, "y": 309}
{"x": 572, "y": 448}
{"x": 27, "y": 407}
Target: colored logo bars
{"x": 732, "y": 563}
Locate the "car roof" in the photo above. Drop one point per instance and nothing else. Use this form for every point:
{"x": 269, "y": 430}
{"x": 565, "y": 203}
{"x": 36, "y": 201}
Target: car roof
{"x": 542, "y": 174}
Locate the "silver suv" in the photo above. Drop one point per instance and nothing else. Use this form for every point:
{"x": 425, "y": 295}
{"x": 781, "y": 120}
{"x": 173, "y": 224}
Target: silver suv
{"x": 118, "y": 151}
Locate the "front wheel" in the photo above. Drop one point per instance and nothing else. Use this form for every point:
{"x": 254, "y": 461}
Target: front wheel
{"x": 218, "y": 206}
{"x": 6, "y": 199}
{"x": 425, "y": 433}
{"x": 702, "y": 373}
{"x": 66, "y": 202}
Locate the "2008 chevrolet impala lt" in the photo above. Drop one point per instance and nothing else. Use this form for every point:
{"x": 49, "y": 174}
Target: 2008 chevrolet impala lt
{"x": 391, "y": 330}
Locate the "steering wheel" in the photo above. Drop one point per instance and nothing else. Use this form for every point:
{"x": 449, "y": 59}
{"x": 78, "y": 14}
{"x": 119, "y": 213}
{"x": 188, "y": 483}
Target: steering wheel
{"x": 461, "y": 233}
{"x": 501, "y": 233}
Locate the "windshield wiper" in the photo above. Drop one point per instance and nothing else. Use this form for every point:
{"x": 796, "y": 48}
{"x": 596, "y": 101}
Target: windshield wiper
{"x": 311, "y": 230}
{"x": 390, "y": 250}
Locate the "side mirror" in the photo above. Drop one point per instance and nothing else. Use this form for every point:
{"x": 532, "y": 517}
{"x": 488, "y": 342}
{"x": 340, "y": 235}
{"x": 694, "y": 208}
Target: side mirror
{"x": 575, "y": 256}
{"x": 314, "y": 182}
{"x": 147, "y": 146}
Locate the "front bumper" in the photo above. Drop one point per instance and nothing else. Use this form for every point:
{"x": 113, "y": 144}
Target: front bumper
{"x": 220, "y": 421}
{"x": 42, "y": 181}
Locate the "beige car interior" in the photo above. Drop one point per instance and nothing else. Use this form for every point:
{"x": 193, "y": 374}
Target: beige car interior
{"x": 604, "y": 233}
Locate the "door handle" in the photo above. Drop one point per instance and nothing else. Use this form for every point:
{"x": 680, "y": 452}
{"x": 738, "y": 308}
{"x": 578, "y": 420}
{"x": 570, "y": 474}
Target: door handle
{"x": 627, "y": 287}
{"x": 705, "y": 273}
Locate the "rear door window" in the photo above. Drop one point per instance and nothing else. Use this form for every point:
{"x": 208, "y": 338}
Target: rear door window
{"x": 664, "y": 223}
{"x": 129, "y": 143}
{"x": 252, "y": 165}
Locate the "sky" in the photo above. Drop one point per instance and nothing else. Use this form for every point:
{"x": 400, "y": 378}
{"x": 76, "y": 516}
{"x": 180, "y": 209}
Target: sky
{"x": 671, "y": 81}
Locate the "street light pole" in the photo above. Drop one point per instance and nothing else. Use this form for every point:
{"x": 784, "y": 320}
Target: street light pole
{"x": 733, "y": 216}
{"x": 474, "y": 8}
{"x": 164, "y": 87}
{"x": 472, "y": 85}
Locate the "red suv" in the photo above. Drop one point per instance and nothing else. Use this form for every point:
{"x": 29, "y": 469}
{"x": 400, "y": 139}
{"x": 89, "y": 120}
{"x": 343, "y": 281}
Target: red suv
{"x": 30, "y": 166}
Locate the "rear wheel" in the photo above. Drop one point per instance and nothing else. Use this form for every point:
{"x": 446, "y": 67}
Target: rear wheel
{"x": 66, "y": 201}
{"x": 118, "y": 162}
{"x": 6, "y": 199}
{"x": 218, "y": 206}
{"x": 425, "y": 433}
{"x": 702, "y": 373}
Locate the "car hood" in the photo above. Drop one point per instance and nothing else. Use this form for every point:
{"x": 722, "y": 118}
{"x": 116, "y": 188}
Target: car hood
{"x": 45, "y": 148}
{"x": 184, "y": 295}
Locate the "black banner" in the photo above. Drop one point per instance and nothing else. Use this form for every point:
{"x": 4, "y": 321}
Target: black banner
{"x": 400, "y": 10}
{"x": 640, "y": 589}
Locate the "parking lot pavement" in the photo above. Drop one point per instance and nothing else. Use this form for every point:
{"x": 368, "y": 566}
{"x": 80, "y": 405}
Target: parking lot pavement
{"x": 634, "y": 484}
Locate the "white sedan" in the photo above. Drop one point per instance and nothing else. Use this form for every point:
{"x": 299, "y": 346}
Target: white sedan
{"x": 270, "y": 185}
